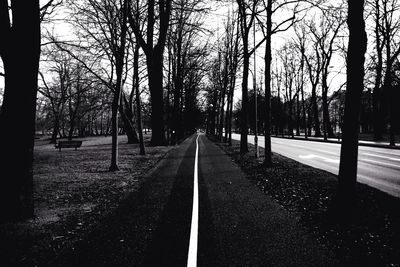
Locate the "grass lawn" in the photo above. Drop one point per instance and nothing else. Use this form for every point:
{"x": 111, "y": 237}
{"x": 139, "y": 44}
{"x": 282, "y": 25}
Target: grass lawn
{"x": 72, "y": 191}
{"x": 370, "y": 238}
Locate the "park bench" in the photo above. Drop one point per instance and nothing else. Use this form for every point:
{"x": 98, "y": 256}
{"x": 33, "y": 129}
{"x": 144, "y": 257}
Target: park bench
{"x": 68, "y": 144}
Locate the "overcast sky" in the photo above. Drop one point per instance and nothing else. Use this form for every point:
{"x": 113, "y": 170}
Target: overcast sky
{"x": 214, "y": 22}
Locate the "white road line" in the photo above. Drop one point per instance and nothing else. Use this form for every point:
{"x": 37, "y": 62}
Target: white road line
{"x": 379, "y": 156}
{"x": 192, "y": 255}
{"x": 388, "y": 151}
{"x": 328, "y": 152}
{"x": 379, "y": 163}
{"x": 325, "y": 159}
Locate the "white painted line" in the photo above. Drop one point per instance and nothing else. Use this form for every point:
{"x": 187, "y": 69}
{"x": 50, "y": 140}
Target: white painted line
{"x": 379, "y": 163}
{"x": 329, "y": 152}
{"x": 312, "y": 156}
{"x": 388, "y": 151}
{"x": 379, "y": 156}
{"x": 192, "y": 254}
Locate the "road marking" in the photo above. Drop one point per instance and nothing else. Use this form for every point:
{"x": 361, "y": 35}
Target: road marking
{"x": 387, "y": 151}
{"x": 312, "y": 156}
{"x": 192, "y": 254}
{"x": 301, "y": 146}
{"x": 379, "y": 163}
{"x": 328, "y": 152}
{"x": 379, "y": 156}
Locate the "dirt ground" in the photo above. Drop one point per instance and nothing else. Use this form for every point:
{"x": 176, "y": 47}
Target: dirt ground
{"x": 72, "y": 191}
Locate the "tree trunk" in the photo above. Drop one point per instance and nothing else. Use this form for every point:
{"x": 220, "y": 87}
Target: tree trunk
{"x": 268, "y": 59}
{"x": 56, "y": 128}
{"x": 119, "y": 65}
{"x": 138, "y": 104}
{"x": 17, "y": 116}
{"x": 392, "y": 115}
{"x": 155, "y": 77}
{"x": 309, "y": 122}
{"x": 376, "y": 94}
{"x": 244, "y": 112}
{"x": 328, "y": 131}
{"x": 377, "y": 112}
{"x": 71, "y": 129}
{"x": 221, "y": 114}
{"x": 223, "y": 95}
{"x": 168, "y": 107}
{"x": 298, "y": 120}
{"x": 303, "y": 107}
{"x": 303, "y": 104}
{"x": 228, "y": 105}
{"x": 315, "y": 111}
{"x": 114, "y": 130}
{"x": 290, "y": 114}
{"x": 355, "y": 78}
{"x": 129, "y": 127}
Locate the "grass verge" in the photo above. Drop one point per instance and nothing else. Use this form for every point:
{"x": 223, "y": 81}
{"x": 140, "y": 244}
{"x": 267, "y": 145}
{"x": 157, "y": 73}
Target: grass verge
{"x": 371, "y": 238}
{"x": 73, "y": 190}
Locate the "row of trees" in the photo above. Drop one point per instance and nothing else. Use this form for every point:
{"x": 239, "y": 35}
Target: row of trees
{"x": 304, "y": 78}
{"x": 121, "y": 45}
{"x": 298, "y": 77}
{"x": 307, "y": 73}
{"x": 124, "y": 63}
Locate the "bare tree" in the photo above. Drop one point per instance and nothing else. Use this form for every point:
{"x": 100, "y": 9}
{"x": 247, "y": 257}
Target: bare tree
{"x": 49, "y": 8}
{"x": 289, "y": 78}
{"x": 232, "y": 44}
{"x": 300, "y": 45}
{"x": 247, "y": 13}
{"x": 390, "y": 25}
{"x": 154, "y": 51}
{"x": 104, "y": 25}
{"x": 186, "y": 23}
{"x": 377, "y": 92}
{"x": 269, "y": 28}
{"x": 324, "y": 35}
{"x": 136, "y": 85}
{"x": 57, "y": 92}
{"x": 314, "y": 68}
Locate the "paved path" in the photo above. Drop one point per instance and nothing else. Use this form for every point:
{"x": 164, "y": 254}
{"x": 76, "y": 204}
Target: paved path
{"x": 237, "y": 224}
{"x": 377, "y": 167}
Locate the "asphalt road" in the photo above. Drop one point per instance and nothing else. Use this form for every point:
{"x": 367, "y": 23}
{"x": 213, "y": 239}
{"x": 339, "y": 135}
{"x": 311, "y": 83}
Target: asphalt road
{"x": 238, "y": 225}
{"x": 377, "y": 167}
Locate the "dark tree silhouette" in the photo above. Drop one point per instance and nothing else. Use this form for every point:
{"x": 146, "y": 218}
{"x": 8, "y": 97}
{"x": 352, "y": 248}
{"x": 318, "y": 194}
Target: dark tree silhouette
{"x": 270, "y": 28}
{"x": 355, "y": 85}
{"x": 56, "y": 94}
{"x": 325, "y": 35}
{"x": 232, "y": 44}
{"x": 17, "y": 117}
{"x": 247, "y": 14}
{"x": 154, "y": 52}
{"x": 186, "y": 25}
{"x": 377, "y": 92}
{"x": 104, "y": 25}
{"x": 136, "y": 86}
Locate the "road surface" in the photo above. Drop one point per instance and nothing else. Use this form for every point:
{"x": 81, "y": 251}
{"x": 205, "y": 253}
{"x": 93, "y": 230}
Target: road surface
{"x": 377, "y": 167}
{"x": 236, "y": 223}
